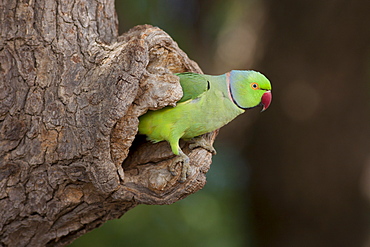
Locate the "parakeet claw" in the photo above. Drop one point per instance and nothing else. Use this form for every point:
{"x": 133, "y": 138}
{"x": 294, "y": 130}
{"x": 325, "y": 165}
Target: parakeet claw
{"x": 184, "y": 159}
{"x": 184, "y": 171}
{"x": 201, "y": 142}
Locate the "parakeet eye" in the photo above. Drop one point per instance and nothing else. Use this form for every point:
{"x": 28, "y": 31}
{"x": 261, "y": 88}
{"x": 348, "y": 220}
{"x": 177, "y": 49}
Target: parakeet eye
{"x": 254, "y": 85}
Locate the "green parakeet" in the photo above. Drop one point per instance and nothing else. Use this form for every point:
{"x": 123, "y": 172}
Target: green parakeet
{"x": 208, "y": 103}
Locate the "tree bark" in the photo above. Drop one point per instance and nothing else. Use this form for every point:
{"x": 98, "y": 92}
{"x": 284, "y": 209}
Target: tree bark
{"x": 71, "y": 92}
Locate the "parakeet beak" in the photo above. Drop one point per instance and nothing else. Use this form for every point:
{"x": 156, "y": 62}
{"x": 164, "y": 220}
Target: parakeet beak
{"x": 266, "y": 100}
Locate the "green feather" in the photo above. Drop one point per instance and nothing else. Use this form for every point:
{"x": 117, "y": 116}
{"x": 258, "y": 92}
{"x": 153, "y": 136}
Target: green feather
{"x": 193, "y": 85}
{"x": 208, "y": 103}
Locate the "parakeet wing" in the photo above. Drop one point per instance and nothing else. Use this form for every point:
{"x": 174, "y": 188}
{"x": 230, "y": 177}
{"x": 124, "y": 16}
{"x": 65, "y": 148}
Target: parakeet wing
{"x": 193, "y": 85}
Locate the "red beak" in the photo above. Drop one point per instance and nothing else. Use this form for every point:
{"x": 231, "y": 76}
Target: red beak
{"x": 266, "y": 100}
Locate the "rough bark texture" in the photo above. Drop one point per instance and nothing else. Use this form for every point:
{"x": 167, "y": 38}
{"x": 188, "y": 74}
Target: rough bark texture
{"x": 71, "y": 92}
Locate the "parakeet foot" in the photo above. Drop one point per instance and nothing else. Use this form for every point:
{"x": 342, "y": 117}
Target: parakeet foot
{"x": 201, "y": 142}
{"x": 184, "y": 159}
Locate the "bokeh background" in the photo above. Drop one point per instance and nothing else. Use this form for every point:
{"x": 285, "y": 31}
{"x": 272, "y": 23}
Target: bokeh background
{"x": 295, "y": 175}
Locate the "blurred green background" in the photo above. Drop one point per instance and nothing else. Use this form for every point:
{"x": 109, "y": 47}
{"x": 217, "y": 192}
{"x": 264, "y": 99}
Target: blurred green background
{"x": 296, "y": 175}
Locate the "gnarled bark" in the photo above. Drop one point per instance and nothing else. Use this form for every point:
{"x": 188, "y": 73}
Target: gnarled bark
{"x": 71, "y": 92}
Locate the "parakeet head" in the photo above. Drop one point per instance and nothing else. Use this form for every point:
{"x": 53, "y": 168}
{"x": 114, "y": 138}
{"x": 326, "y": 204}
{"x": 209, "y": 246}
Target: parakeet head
{"x": 249, "y": 89}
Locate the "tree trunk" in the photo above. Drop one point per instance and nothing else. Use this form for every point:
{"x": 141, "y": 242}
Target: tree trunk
{"x": 71, "y": 92}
